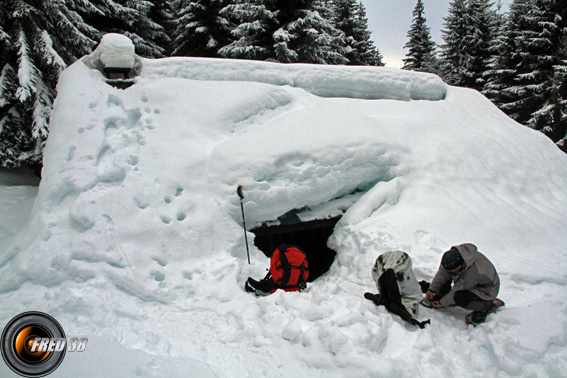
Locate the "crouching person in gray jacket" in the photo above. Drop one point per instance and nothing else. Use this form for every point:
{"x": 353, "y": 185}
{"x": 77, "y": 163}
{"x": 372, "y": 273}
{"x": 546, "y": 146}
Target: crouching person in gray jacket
{"x": 476, "y": 283}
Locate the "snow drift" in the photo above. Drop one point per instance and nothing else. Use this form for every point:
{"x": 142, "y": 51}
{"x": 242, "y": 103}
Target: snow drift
{"x": 324, "y": 81}
{"x": 135, "y": 238}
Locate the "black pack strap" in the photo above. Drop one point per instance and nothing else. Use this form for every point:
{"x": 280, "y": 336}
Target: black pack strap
{"x": 300, "y": 281}
{"x": 285, "y": 261}
{"x": 286, "y": 276}
{"x": 283, "y": 256}
{"x": 285, "y": 265}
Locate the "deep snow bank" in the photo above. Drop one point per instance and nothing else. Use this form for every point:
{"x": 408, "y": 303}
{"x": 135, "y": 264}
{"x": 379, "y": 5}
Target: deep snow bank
{"x": 18, "y": 189}
{"x": 135, "y": 234}
{"x": 320, "y": 80}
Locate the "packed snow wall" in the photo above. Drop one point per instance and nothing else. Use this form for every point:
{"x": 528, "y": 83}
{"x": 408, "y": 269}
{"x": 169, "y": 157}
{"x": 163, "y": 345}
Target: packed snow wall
{"x": 321, "y": 80}
{"x": 137, "y": 223}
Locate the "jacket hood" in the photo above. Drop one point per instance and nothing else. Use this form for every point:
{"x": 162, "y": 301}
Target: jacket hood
{"x": 399, "y": 261}
{"x": 469, "y": 253}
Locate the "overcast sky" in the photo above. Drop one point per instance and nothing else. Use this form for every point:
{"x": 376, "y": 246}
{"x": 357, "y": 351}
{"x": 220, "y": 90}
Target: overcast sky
{"x": 390, "y": 20}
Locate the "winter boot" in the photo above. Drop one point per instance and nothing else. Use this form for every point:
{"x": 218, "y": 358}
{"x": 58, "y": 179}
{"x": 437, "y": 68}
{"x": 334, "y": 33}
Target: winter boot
{"x": 374, "y": 298}
{"x": 260, "y": 288}
{"x": 478, "y": 317}
{"x": 249, "y": 288}
{"x": 496, "y": 304}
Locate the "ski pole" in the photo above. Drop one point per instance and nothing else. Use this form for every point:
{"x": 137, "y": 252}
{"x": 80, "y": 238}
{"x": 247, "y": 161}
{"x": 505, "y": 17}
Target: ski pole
{"x": 239, "y": 192}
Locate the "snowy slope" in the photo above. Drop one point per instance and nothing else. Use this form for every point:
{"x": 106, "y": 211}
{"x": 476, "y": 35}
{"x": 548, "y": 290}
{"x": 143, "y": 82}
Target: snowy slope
{"x": 18, "y": 189}
{"x": 135, "y": 238}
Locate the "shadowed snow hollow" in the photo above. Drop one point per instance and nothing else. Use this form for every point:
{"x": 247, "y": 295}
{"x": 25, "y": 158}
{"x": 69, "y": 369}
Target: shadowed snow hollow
{"x": 136, "y": 236}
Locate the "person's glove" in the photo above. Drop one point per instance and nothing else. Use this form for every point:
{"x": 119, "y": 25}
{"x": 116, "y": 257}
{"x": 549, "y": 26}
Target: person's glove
{"x": 424, "y": 286}
{"x": 421, "y": 324}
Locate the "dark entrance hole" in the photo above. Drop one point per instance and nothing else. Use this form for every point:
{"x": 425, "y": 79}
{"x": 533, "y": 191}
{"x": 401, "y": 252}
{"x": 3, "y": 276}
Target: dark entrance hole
{"x": 310, "y": 236}
{"x": 118, "y": 77}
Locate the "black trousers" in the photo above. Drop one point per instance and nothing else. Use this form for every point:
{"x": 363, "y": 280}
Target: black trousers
{"x": 390, "y": 295}
{"x": 391, "y": 298}
{"x": 466, "y": 299}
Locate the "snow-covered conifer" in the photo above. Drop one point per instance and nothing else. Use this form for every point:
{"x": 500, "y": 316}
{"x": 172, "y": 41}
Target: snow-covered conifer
{"x": 283, "y": 31}
{"x": 39, "y": 39}
{"x": 307, "y": 37}
{"x": 350, "y": 17}
{"x": 29, "y": 70}
{"x": 255, "y": 21}
{"x": 421, "y": 55}
{"x": 482, "y": 28}
{"x": 84, "y": 22}
{"x": 528, "y": 79}
{"x": 162, "y": 13}
{"x": 502, "y": 65}
{"x": 470, "y": 32}
{"x": 454, "y": 35}
{"x": 199, "y": 28}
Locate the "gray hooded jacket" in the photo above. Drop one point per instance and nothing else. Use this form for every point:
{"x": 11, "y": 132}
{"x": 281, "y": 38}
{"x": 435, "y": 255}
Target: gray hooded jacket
{"x": 479, "y": 277}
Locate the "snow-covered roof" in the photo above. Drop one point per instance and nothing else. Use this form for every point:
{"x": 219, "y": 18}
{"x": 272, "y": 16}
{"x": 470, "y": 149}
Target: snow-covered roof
{"x": 321, "y": 80}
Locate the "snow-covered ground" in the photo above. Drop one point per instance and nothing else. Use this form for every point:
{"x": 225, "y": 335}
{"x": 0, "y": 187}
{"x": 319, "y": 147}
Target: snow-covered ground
{"x": 18, "y": 188}
{"x": 135, "y": 238}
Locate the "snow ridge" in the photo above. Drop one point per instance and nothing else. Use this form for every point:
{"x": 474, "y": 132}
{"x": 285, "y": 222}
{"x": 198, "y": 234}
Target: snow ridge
{"x": 320, "y": 80}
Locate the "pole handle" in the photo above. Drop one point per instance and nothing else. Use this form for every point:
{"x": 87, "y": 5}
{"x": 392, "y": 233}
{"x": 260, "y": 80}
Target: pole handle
{"x": 239, "y": 192}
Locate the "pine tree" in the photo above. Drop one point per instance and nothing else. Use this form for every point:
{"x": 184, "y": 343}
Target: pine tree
{"x": 455, "y": 33}
{"x": 528, "y": 80}
{"x": 287, "y": 31}
{"x": 551, "y": 92}
{"x": 552, "y": 117}
{"x": 72, "y": 37}
{"x": 39, "y": 38}
{"x": 161, "y": 14}
{"x": 368, "y": 50}
{"x": 350, "y": 18}
{"x": 127, "y": 17}
{"x": 255, "y": 21}
{"x": 200, "y": 29}
{"x": 421, "y": 55}
{"x": 470, "y": 32}
{"x": 29, "y": 70}
{"x": 500, "y": 17}
{"x": 482, "y": 27}
{"x": 497, "y": 45}
{"x": 79, "y": 25}
{"x": 502, "y": 65}
{"x": 305, "y": 36}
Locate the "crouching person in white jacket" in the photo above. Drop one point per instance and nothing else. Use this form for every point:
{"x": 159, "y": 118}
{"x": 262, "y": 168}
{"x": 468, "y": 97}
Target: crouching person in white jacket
{"x": 398, "y": 288}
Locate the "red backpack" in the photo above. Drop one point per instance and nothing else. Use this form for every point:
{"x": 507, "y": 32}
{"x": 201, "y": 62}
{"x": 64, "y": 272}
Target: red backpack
{"x": 289, "y": 268}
